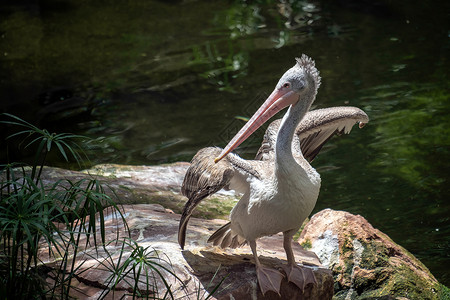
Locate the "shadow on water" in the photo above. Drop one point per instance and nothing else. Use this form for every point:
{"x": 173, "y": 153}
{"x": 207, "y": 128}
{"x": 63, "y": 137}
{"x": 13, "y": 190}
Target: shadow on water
{"x": 152, "y": 82}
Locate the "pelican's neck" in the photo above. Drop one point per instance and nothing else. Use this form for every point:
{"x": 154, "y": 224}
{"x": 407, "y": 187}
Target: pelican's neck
{"x": 295, "y": 113}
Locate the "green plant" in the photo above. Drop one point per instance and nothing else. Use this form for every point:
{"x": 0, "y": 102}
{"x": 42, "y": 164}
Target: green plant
{"x": 139, "y": 270}
{"x": 46, "y": 141}
{"x": 214, "y": 289}
{"x": 56, "y": 217}
{"x": 36, "y": 216}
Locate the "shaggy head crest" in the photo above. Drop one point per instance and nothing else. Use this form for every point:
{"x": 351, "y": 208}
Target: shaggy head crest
{"x": 307, "y": 64}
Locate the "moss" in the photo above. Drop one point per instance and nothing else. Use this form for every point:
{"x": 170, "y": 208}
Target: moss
{"x": 341, "y": 295}
{"x": 347, "y": 247}
{"x": 382, "y": 274}
{"x": 375, "y": 255}
{"x": 299, "y": 232}
{"x": 306, "y": 244}
{"x": 380, "y": 279}
{"x": 215, "y": 207}
{"x": 362, "y": 284}
{"x": 444, "y": 292}
{"x": 347, "y": 252}
{"x": 405, "y": 283}
{"x": 125, "y": 188}
{"x": 210, "y": 208}
{"x": 348, "y": 268}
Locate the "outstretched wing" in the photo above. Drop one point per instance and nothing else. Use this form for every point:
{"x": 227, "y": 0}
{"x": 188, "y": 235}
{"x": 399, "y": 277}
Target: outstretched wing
{"x": 205, "y": 177}
{"x": 320, "y": 125}
{"x": 314, "y": 130}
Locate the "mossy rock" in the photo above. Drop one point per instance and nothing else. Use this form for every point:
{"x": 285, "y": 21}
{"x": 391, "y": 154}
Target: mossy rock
{"x": 369, "y": 265}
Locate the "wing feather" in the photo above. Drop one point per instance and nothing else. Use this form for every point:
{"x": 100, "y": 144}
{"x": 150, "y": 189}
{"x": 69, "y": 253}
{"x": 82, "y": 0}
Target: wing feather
{"x": 318, "y": 126}
{"x": 205, "y": 177}
{"x": 314, "y": 130}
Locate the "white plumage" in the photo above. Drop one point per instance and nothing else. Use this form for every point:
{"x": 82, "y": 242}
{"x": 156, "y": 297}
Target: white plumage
{"x": 280, "y": 188}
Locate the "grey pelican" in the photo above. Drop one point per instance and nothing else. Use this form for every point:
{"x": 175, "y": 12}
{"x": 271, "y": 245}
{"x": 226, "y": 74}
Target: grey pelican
{"x": 280, "y": 187}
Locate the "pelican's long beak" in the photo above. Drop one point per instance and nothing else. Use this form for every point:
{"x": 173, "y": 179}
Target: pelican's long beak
{"x": 278, "y": 100}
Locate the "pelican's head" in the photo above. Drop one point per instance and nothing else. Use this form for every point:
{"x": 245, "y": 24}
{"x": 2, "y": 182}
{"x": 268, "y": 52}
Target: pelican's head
{"x": 303, "y": 76}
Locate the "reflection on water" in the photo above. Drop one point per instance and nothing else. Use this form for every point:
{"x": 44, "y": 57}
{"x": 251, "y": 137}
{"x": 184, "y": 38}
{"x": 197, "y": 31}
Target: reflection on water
{"x": 152, "y": 82}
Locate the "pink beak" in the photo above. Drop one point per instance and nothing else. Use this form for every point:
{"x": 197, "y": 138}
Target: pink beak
{"x": 279, "y": 99}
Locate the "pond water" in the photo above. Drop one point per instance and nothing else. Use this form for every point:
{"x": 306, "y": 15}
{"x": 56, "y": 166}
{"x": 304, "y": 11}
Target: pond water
{"x": 152, "y": 82}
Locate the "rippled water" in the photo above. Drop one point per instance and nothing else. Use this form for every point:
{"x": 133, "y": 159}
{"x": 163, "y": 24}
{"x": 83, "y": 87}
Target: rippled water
{"x": 152, "y": 82}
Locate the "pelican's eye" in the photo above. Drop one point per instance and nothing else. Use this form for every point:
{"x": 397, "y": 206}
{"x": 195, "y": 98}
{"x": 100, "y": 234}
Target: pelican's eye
{"x": 286, "y": 85}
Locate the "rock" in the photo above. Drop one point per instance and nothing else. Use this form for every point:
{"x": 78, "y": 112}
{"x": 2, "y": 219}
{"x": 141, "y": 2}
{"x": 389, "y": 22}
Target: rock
{"x": 199, "y": 268}
{"x": 366, "y": 263}
{"x": 147, "y": 184}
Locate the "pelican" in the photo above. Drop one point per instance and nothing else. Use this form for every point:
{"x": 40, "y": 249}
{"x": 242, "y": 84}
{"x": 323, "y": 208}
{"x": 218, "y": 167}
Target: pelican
{"x": 280, "y": 187}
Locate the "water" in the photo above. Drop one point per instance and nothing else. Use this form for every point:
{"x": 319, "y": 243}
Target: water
{"x": 152, "y": 82}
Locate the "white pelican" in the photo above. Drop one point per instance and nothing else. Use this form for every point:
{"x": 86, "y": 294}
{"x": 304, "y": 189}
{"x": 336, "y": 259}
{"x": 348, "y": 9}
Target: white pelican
{"x": 279, "y": 187}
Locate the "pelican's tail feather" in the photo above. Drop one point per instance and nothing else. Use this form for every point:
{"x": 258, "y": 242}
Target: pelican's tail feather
{"x": 224, "y": 237}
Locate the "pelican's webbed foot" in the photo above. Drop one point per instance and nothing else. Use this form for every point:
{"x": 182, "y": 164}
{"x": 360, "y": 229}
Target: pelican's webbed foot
{"x": 300, "y": 276}
{"x": 269, "y": 279}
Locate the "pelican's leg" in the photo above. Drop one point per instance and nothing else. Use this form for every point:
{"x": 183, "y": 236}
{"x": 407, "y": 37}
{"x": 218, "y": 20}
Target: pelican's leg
{"x": 268, "y": 279}
{"x": 296, "y": 274}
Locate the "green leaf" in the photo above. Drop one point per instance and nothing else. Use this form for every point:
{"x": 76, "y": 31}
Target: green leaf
{"x": 61, "y": 150}
{"x": 21, "y": 122}
{"x": 29, "y": 132}
{"x": 32, "y": 142}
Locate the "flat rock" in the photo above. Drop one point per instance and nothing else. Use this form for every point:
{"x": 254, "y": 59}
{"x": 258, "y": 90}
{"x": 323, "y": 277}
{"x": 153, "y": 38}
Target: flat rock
{"x": 147, "y": 184}
{"x": 199, "y": 268}
{"x": 365, "y": 263}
